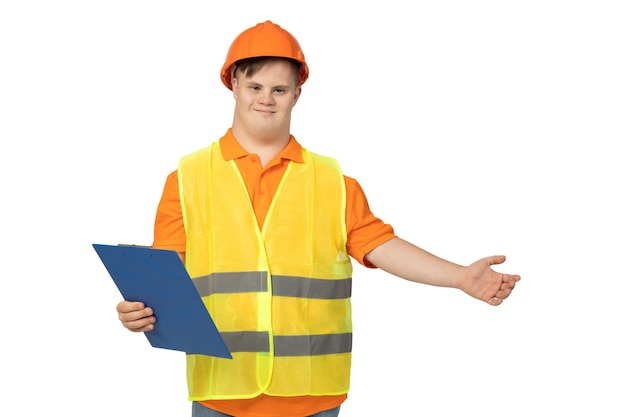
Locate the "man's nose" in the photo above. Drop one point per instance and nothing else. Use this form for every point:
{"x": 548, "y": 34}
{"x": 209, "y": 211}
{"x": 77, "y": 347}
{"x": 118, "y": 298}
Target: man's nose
{"x": 266, "y": 97}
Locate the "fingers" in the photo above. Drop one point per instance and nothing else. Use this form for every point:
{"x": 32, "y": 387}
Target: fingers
{"x": 135, "y": 316}
{"x": 503, "y": 294}
{"x": 510, "y": 279}
{"x": 506, "y": 287}
{"x": 144, "y": 325}
{"x": 129, "y": 306}
{"x": 508, "y": 283}
{"x": 500, "y": 296}
{"x": 494, "y": 301}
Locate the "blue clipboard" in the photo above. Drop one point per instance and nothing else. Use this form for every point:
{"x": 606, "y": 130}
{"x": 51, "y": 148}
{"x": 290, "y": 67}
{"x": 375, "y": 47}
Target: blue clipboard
{"x": 159, "y": 279}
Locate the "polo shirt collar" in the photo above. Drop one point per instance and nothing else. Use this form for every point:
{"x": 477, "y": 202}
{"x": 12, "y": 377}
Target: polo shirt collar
{"x": 231, "y": 149}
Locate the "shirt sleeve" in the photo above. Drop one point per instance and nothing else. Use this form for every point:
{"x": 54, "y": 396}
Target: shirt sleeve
{"x": 169, "y": 229}
{"x": 365, "y": 231}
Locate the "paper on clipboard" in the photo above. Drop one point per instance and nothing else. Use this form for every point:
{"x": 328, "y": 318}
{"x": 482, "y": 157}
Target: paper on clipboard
{"x": 159, "y": 279}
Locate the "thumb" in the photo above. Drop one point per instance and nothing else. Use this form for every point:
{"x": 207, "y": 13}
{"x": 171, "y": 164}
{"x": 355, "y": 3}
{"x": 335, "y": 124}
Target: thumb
{"x": 495, "y": 260}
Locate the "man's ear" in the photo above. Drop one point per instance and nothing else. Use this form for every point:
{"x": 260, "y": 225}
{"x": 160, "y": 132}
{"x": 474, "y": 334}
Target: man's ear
{"x": 233, "y": 84}
{"x": 297, "y": 95}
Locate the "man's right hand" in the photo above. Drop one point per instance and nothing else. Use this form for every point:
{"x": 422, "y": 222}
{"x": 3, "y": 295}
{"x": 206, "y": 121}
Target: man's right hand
{"x": 135, "y": 316}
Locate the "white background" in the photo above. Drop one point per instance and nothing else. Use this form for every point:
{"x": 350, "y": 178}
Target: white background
{"x": 475, "y": 128}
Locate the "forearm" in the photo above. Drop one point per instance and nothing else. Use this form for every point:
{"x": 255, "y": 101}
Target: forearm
{"x": 405, "y": 260}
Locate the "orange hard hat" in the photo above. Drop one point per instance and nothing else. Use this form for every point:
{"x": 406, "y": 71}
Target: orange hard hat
{"x": 264, "y": 39}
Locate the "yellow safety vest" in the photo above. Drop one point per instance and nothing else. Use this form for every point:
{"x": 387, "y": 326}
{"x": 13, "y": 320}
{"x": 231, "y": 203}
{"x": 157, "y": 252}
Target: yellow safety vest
{"x": 280, "y": 296}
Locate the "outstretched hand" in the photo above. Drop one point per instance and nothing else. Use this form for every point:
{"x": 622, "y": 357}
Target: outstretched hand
{"x": 483, "y": 283}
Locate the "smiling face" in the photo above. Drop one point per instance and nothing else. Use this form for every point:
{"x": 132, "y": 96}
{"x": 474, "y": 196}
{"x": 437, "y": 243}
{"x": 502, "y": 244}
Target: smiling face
{"x": 264, "y": 98}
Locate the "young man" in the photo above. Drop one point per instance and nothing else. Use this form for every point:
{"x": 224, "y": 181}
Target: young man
{"x": 266, "y": 229}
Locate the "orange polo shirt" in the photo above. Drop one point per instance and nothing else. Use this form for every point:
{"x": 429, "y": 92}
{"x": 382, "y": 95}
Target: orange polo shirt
{"x": 365, "y": 232}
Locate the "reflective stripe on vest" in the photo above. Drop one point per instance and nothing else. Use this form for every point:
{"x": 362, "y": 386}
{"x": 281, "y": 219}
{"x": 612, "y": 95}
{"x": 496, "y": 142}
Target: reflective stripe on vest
{"x": 281, "y": 295}
{"x": 309, "y": 345}
{"x": 282, "y": 286}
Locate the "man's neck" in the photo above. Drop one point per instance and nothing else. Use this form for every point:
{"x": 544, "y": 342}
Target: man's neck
{"x": 265, "y": 146}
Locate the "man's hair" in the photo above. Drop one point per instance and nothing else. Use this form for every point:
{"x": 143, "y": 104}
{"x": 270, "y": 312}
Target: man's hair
{"x": 250, "y": 66}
